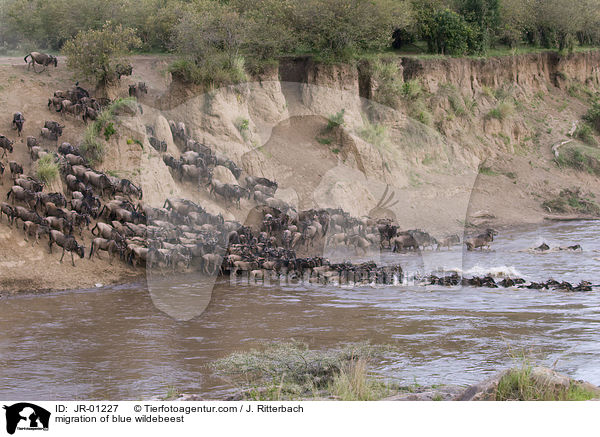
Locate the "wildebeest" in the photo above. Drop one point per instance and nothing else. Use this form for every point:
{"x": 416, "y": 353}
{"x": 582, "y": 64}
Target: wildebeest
{"x": 21, "y": 194}
{"x": 58, "y": 199}
{"x": 15, "y": 168}
{"x": 48, "y": 134}
{"x": 110, "y": 246}
{"x": 60, "y": 224}
{"x": 422, "y": 238}
{"x": 136, "y": 90}
{"x": 32, "y": 142}
{"x": 18, "y": 122}
{"x": 27, "y": 215}
{"x": 451, "y": 240}
{"x": 41, "y": 59}
{"x": 34, "y": 230}
{"x": 403, "y": 241}
{"x": 67, "y": 149}
{"x": 160, "y": 146}
{"x": 6, "y": 145}
{"x": 99, "y": 181}
{"x": 128, "y": 188}
{"x": 89, "y": 114}
{"x": 481, "y": 240}
{"x": 68, "y": 244}
{"x": 7, "y": 210}
{"x": 54, "y": 126}
{"x": 29, "y": 183}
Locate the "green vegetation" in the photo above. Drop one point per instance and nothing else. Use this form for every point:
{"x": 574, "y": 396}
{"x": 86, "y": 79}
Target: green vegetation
{"x": 243, "y": 127}
{"x": 335, "y": 120}
{"x": 292, "y": 371}
{"x": 502, "y": 111}
{"x": 572, "y": 201}
{"x": 592, "y": 116}
{"x": 519, "y": 385}
{"x": 585, "y": 133}
{"x": 412, "y": 89}
{"x": 373, "y": 133}
{"x": 580, "y": 157}
{"x": 219, "y": 41}
{"x": 484, "y": 170}
{"x": 388, "y": 79}
{"x": 95, "y": 54}
{"x": 92, "y": 148}
{"x": 46, "y": 169}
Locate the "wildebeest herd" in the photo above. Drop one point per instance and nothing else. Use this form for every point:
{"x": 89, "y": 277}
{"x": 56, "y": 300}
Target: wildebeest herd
{"x": 182, "y": 235}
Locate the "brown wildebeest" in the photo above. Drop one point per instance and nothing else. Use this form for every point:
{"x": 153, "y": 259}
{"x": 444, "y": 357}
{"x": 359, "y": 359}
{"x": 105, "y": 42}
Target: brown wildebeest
{"x": 41, "y": 59}
{"x": 482, "y": 240}
{"x": 448, "y": 241}
{"x": 6, "y": 145}
{"x": 21, "y": 194}
{"x": 18, "y": 122}
{"x": 68, "y": 244}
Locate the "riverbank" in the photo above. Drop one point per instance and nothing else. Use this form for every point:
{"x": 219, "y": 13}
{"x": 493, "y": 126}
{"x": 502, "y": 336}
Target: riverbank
{"x": 292, "y": 371}
{"x": 455, "y": 166}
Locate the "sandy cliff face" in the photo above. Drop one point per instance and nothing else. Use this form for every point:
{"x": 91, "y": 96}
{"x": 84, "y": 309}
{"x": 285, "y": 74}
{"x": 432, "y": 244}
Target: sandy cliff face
{"x": 418, "y": 162}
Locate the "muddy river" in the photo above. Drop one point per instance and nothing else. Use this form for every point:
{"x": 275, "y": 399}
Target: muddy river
{"x": 114, "y": 343}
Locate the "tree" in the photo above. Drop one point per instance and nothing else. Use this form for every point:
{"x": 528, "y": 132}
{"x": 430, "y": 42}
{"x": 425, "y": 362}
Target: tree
{"x": 95, "y": 54}
{"x": 339, "y": 28}
{"x": 515, "y": 19}
{"x": 558, "y": 21}
{"x": 210, "y": 37}
{"x": 484, "y": 18}
{"x": 447, "y": 33}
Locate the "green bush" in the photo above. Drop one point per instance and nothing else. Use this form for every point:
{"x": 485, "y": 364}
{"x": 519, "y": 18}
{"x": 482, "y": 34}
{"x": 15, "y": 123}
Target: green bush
{"x": 447, "y": 33}
{"x": 92, "y": 148}
{"x": 95, "y": 54}
{"x": 46, "y": 169}
{"x": 593, "y": 115}
{"x": 324, "y": 141}
{"x": 243, "y": 126}
{"x": 336, "y": 120}
{"x": 571, "y": 200}
{"x": 412, "y": 89}
{"x": 388, "y": 79}
{"x": 585, "y": 133}
{"x": 216, "y": 70}
{"x": 373, "y": 133}
{"x": 519, "y": 385}
{"x": 502, "y": 111}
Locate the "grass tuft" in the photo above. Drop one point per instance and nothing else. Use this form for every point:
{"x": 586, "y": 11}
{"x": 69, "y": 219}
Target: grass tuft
{"x": 571, "y": 200}
{"x": 291, "y": 371}
{"x": 47, "y": 169}
{"x": 519, "y": 385}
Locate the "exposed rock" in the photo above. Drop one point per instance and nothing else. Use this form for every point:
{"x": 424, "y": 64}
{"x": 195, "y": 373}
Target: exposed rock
{"x": 224, "y": 175}
{"x": 483, "y": 391}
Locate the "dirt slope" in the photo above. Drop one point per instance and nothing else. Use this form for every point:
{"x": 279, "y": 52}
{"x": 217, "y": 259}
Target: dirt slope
{"x": 276, "y": 127}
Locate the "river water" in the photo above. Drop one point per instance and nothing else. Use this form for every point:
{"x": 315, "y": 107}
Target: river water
{"x": 113, "y": 343}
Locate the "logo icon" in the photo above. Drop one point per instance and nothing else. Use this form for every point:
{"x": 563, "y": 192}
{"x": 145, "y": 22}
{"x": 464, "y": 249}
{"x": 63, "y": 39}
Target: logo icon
{"x": 26, "y": 416}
